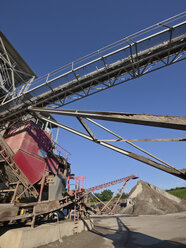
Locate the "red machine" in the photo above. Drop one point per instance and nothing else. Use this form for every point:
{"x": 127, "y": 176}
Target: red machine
{"x": 33, "y": 155}
{"x": 32, "y": 176}
{"x": 32, "y": 147}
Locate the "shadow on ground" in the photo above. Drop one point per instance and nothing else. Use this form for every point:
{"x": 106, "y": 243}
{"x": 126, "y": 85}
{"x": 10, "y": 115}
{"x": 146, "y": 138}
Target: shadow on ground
{"x": 114, "y": 235}
{"x": 124, "y": 237}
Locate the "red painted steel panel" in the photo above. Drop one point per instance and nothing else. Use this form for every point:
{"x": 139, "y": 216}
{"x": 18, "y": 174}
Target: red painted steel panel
{"x": 15, "y": 141}
{"x": 29, "y": 145}
{"x": 27, "y": 142}
{"x": 38, "y": 136}
{"x": 29, "y": 138}
{"x": 31, "y": 166}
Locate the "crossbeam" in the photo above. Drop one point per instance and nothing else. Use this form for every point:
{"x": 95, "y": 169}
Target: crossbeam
{"x": 133, "y": 60}
{"x": 164, "y": 121}
{"x": 170, "y": 170}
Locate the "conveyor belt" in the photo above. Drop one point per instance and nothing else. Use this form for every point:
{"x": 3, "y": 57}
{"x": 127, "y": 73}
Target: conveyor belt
{"x": 130, "y": 61}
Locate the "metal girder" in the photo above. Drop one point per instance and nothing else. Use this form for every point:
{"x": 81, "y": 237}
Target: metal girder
{"x": 130, "y": 62}
{"x": 83, "y": 123}
{"x": 135, "y": 156}
{"x": 105, "y": 185}
{"x": 173, "y": 122}
{"x": 169, "y": 139}
{"x": 14, "y": 71}
{"x": 76, "y": 114}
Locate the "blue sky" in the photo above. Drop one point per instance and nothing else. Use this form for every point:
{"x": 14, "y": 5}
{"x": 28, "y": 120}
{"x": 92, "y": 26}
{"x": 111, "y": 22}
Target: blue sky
{"x": 50, "y": 34}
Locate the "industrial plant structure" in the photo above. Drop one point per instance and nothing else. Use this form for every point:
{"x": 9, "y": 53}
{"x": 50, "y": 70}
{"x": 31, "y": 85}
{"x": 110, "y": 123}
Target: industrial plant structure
{"x": 34, "y": 175}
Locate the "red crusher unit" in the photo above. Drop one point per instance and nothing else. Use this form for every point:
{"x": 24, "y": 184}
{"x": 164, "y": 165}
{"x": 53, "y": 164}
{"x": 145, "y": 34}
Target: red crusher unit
{"x": 33, "y": 154}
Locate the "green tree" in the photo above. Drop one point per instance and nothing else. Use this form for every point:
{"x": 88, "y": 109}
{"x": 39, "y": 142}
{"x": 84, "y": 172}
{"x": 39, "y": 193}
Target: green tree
{"x": 106, "y": 195}
{"x": 98, "y": 195}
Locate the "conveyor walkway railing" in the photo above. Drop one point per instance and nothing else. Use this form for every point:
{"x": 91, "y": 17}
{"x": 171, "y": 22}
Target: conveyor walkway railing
{"x": 103, "y": 70}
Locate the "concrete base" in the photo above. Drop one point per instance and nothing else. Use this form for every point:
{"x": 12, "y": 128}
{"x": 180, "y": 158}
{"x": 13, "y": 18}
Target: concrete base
{"x": 33, "y": 237}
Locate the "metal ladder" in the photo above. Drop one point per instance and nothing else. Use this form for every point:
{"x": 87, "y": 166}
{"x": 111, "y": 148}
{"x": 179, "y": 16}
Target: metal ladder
{"x": 76, "y": 212}
{"x": 7, "y": 154}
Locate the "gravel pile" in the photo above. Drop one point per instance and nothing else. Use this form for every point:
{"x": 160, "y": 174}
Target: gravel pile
{"x": 145, "y": 198}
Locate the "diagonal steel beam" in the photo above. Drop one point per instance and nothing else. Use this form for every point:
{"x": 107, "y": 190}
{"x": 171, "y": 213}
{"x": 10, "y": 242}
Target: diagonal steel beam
{"x": 169, "y": 139}
{"x": 165, "y": 121}
{"x": 83, "y": 123}
{"x": 135, "y": 156}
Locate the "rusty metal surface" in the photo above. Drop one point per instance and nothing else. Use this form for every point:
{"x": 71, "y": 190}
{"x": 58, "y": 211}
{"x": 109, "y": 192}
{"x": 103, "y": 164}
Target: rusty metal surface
{"x": 13, "y": 212}
{"x": 165, "y": 121}
{"x": 113, "y": 66}
{"x": 46, "y": 207}
{"x": 105, "y": 185}
{"x": 7, "y": 211}
{"x": 140, "y": 158}
{"x": 12, "y": 173}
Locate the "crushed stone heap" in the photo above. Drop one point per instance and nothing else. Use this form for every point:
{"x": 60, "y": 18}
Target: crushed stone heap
{"x": 145, "y": 198}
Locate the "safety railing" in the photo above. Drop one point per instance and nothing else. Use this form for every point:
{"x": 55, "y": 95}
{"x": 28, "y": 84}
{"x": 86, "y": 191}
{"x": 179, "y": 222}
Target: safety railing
{"x": 110, "y": 53}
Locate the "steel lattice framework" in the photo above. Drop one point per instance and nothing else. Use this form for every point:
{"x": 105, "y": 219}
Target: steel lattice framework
{"x": 130, "y": 58}
{"x": 108, "y": 184}
{"x": 151, "y": 49}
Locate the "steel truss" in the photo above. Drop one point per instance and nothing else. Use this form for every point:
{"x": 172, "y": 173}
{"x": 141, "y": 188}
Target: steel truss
{"x": 164, "y": 166}
{"x": 13, "y": 69}
{"x": 133, "y": 60}
{"x": 119, "y": 192}
{"x": 108, "y": 184}
{"x": 74, "y": 199}
{"x": 130, "y": 58}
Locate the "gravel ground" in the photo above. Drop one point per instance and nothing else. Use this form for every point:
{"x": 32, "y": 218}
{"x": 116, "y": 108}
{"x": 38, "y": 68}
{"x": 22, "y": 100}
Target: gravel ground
{"x": 154, "y": 231}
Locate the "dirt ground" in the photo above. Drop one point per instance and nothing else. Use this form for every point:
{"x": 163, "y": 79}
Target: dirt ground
{"x": 154, "y": 231}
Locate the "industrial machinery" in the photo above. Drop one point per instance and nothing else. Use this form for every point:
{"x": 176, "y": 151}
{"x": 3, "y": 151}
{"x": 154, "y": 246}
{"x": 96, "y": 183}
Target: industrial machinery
{"x": 33, "y": 176}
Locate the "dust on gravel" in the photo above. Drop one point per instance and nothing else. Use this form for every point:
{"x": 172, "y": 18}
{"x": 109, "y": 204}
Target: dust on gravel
{"x": 146, "y": 199}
